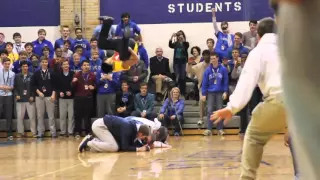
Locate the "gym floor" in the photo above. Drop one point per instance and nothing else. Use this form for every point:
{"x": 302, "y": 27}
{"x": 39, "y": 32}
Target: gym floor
{"x": 192, "y": 157}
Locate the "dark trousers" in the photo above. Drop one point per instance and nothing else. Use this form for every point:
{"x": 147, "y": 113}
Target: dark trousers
{"x": 149, "y": 116}
{"x": 180, "y": 71}
{"x": 82, "y": 111}
{"x": 167, "y": 121}
{"x": 6, "y": 108}
{"x": 120, "y": 45}
{"x": 244, "y": 119}
{"x": 256, "y": 98}
{"x": 196, "y": 89}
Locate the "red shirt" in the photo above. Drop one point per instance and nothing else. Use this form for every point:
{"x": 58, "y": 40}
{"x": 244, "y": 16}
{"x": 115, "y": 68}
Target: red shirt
{"x": 83, "y": 81}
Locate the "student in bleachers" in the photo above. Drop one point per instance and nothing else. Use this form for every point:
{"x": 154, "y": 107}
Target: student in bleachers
{"x": 214, "y": 90}
{"x": 237, "y": 45}
{"x": 144, "y": 103}
{"x": 35, "y": 63}
{"x": 160, "y": 73}
{"x": 66, "y": 52}
{"x": 44, "y": 84}
{"x": 235, "y": 61}
{"x": 107, "y": 86}
{"x": 6, "y": 95}
{"x": 75, "y": 64}
{"x": 225, "y": 38}
{"x": 210, "y": 45}
{"x": 11, "y": 55}
{"x": 56, "y": 63}
{"x": 80, "y": 41}
{"x": 18, "y": 45}
{"x": 171, "y": 111}
{"x": 23, "y": 58}
{"x": 226, "y": 63}
{"x": 244, "y": 113}
{"x": 142, "y": 52}
{"x": 127, "y": 25}
{"x": 66, "y": 102}
{"x": 195, "y": 58}
{"x": 250, "y": 38}
{"x": 2, "y": 43}
{"x": 24, "y": 95}
{"x": 135, "y": 75}
{"x": 29, "y": 49}
{"x": 95, "y": 62}
{"x": 84, "y": 84}
{"x": 94, "y": 47}
{"x": 198, "y": 71}
{"x": 180, "y": 45}
{"x": 65, "y": 35}
{"x": 79, "y": 50}
{"x": 124, "y": 101}
{"x": 41, "y": 42}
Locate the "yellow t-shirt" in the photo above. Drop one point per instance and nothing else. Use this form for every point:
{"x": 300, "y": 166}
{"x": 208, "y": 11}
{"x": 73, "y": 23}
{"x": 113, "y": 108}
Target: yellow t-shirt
{"x": 13, "y": 57}
{"x": 117, "y": 63}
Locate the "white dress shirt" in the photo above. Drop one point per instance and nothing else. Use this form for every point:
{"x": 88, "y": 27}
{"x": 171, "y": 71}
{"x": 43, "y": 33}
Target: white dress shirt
{"x": 263, "y": 68}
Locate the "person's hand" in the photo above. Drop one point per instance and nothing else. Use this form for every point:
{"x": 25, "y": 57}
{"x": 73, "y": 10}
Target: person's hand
{"x": 107, "y": 77}
{"x": 224, "y": 96}
{"x": 61, "y": 94}
{"x": 41, "y": 94}
{"x": 222, "y": 114}
{"x": 286, "y": 139}
{"x": 74, "y": 79}
{"x": 119, "y": 110}
{"x": 52, "y": 98}
{"x": 161, "y": 116}
{"x": 68, "y": 93}
{"x": 124, "y": 108}
{"x": 203, "y": 98}
{"x": 142, "y": 149}
{"x": 143, "y": 114}
{"x": 18, "y": 97}
{"x": 31, "y": 99}
{"x": 91, "y": 87}
{"x": 173, "y": 117}
{"x": 213, "y": 12}
{"x": 135, "y": 78}
{"x": 174, "y": 35}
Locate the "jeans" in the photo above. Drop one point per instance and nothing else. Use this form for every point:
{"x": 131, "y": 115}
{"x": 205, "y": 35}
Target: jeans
{"x": 214, "y": 102}
{"x": 180, "y": 71}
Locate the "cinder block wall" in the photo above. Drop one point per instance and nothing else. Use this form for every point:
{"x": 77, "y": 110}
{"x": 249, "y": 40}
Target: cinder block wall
{"x": 90, "y": 11}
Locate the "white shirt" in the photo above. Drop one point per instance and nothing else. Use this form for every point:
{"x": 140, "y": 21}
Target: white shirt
{"x": 154, "y": 125}
{"x": 18, "y": 48}
{"x": 263, "y": 68}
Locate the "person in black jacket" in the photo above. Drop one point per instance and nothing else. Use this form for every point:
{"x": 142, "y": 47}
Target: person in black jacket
{"x": 180, "y": 45}
{"x": 65, "y": 94}
{"x": 160, "y": 73}
{"x": 124, "y": 101}
{"x": 114, "y": 134}
{"x": 25, "y": 99}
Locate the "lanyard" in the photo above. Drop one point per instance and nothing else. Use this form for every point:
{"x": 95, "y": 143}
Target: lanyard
{"x": 85, "y": 77}
{"x": 25, "y": 81}
{"x": 215, "y": 73}
{"x": 44, "y": 77}
{"x": 4, "y": 80}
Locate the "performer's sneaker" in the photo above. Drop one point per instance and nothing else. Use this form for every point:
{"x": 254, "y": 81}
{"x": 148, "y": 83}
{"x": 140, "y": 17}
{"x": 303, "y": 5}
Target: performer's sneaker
{"x": 84, "y": 143}
{"x": 207, "y": 133}
{"x": 221, "y": 132}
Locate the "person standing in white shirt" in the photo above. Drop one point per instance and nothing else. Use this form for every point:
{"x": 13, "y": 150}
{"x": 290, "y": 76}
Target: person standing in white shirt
{"x": 18, "y": 45}
{"x": 269, "y": 117}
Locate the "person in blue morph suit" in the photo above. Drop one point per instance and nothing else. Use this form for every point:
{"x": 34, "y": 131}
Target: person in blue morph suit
{"x": 225, "y": 38}
{"x": 215, "y": 85}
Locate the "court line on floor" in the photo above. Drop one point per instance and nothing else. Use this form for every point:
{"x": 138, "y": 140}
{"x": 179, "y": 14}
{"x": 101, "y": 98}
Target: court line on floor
{"x": 53, "y": 172}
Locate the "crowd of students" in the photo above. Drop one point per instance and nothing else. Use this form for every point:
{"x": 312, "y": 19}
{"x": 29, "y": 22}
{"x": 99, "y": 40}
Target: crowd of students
{"x": 40, "y": 75}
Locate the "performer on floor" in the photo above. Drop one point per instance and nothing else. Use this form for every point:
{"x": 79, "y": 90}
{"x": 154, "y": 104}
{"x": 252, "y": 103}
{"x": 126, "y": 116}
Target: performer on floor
{"x": 269, "y": 117}
{"x": 125, "y": 47}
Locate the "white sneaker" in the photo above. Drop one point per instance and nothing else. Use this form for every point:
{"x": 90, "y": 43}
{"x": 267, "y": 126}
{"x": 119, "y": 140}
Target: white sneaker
{"x": 221, "y": 132}
{"x": 207, "y": 133}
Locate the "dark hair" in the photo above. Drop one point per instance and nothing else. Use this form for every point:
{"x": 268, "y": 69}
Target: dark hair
{"x": 236, "y": 49}
{"x": 44, "y": 58}
{"x": 24, "y": 63}
{"x": 4, "y": 51}
{"x": 143, "y": 84}
{"x": 144, "y": 130}
{"x": 42, "y": 31}
{"x": 214, "y": 54}
{"x": 265, "y": 26}
{"x": 162, "y": 134}
{"x": 123, "y": 15}
{"x": 45, "y": 48}
{"x": 197, "y": 48}
{"x": 78, "y": 47}
{"x": 182, "y": 33}
{"x": 66, "y": 42}
{"x": 238, "y": 34}
{"x": 253, "y": 22}
{"x": 77, "y": 29}
{"x": 64, "y": 62}
{"x": 210, "y": 39}
{"x": 16, "y": 35}
{"x": 206, "y": 52}
{"x": 23, "y": 53}
{"x": 28, "y": 44}
{"x": 85, "y": 61}
{"x": 93, "y": 39}
{"x": 124, "y": 81}
{"x": 224, "y": 23}
{"x": 9, "y": 43}
{"x": 5, "y": 60}
{"x": 34, "y": 55}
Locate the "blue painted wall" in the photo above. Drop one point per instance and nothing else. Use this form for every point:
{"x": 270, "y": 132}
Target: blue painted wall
{"x": 16, "y": 13}
{"x": 186, "y": 11}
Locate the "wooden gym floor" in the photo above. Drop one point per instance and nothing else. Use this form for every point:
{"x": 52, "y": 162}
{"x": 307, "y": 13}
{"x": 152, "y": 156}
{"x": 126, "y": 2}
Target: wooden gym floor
{"x": 192, "y": 157}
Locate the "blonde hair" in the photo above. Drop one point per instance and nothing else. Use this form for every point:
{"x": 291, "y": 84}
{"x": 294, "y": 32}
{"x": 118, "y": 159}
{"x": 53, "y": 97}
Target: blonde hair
{"x": 171, "y": 93}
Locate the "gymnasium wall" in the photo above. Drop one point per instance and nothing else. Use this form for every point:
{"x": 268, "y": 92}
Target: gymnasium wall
{"x": 157, "y": 19}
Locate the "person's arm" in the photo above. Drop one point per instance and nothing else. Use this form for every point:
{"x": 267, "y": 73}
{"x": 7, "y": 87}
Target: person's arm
{"x": 125, "y": 144}
{"x": 159, "y": 144}
{"x": 205, "y": 83}
{"x": 144, "y": 72}
{"x": 164, "y": 107}
{"x": 144, "y": 57}
{"x": 138, "y": 31}
{"x": 214, "y": 22}
{"x": 247, "y": 82}
{"x": 167, "y": 73}
{"x": 94, "y": 83}
{"x": 125, "y": 76}
{"x": 172, "y": 45}
{"x": 118, "y": 30}
{"x": 130, "y": 103}
{"x": 136, "y": 103}
{"x": 186, "y": 45}
{"x": 180, "y": 108}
